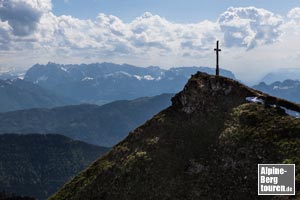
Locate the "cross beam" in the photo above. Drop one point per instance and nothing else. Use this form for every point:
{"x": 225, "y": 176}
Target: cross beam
{"x": 217, "y": 50}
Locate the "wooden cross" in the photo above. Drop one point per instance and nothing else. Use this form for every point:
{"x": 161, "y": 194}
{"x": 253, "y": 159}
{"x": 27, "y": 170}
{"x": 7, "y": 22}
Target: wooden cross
{"x": 217, "y": 50}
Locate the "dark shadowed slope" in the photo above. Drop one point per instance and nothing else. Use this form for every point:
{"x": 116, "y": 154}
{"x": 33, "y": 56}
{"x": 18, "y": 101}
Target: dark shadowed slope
{"x": 5, "y": 196}
{"x": 102, "y": 125}
{"x": 37, "y": 165}
{"x": 205, "y": 146}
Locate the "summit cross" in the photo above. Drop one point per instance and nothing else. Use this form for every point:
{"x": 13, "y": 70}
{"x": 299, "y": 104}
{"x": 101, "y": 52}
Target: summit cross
{"x": 217, "y": 50}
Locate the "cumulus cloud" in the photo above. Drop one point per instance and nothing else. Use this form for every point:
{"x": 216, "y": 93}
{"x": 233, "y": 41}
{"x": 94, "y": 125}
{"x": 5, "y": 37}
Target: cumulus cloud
{"x": 152, "y": 31}
{"x": 23, "y": 15}
{"x": 108, "y": 35}
{"x": 4, "y": 36}
{"x": 291, "y": 26}
{"x": 31, "y": 33}
{"x": 249, "y": 27}
{"x": 294, "y": 14}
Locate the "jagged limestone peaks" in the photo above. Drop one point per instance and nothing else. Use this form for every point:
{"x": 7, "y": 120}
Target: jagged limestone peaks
{"x": 206, "y": 145}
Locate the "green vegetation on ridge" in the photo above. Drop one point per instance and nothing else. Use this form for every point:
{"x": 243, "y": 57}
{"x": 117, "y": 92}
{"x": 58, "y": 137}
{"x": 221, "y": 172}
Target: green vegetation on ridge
{"x": 205, "y": 146}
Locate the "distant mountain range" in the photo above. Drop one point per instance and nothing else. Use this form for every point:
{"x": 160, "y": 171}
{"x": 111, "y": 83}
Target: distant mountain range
{"x": 11, "y": 75}
{"x": 51, "y": 85}
{"x": 18, "y": 94}
{"x": 37, "y": 165}
{"x": 282, "y": 75}
{"x": 283, "y": 83}
{"x": 105, "y": 82}
{"x": 288, "y": 89}
{"x": 102, "y": 125}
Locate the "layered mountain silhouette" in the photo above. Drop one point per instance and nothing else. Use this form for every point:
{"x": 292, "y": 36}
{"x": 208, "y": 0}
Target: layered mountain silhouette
{"x": 102, "y": 125}
{"x": 282, "y": 75}
{"x": 105, "y": 82}
{"x": 12, "y": 75}
{"x": 18, "y": 94}
{"x": 288, "y": 89}
{"x": 37, "y": 165}
{"x": 206, "y": 145}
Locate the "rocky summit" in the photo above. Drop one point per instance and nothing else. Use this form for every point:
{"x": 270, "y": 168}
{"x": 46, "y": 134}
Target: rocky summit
{"x": 206, "y": 145}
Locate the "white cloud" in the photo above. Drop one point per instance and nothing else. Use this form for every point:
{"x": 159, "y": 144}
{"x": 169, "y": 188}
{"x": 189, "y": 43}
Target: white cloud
{"x": 294, "y": 14}
{"x": 291, "y": 26}
{"x": 109, "y": 36}
{"x": 249, "y": 27}
{"x": 23, "y": 15}
{"x": 30, "y": 33}
{"x": 4, "y": 35}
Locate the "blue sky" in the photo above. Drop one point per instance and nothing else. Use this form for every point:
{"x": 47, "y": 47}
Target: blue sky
{"x": 256, "y": 36}
{"x": 174, "y": 10}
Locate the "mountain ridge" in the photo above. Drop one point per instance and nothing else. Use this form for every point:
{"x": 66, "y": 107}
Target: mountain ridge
{"x": 288, "y": 89}
{"x": 281, "y": 75}
{"x": 206, "y": 145}
{"x": 18, "y": 94}
{"x": 101, "y": 125}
